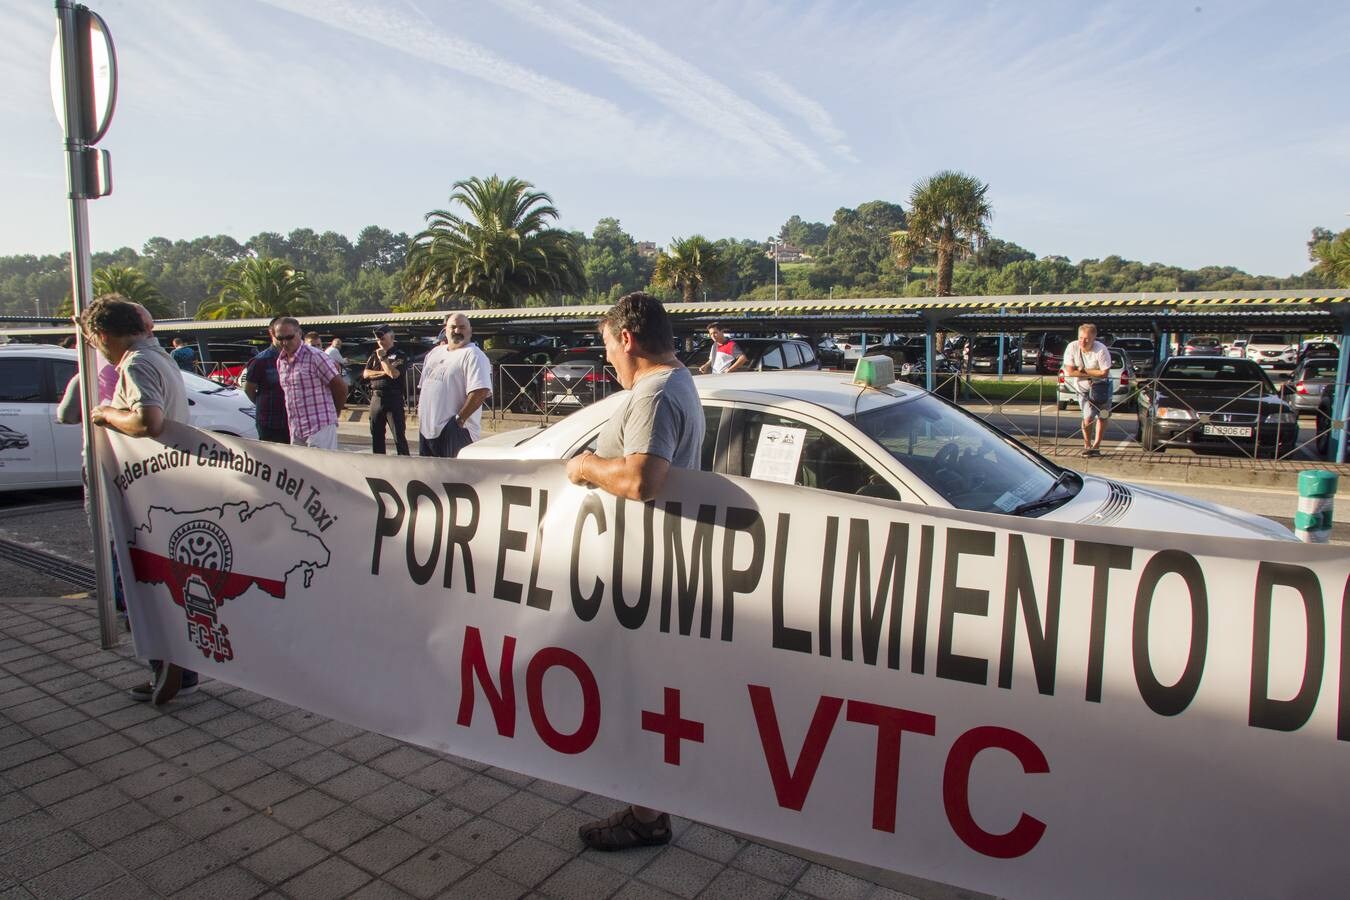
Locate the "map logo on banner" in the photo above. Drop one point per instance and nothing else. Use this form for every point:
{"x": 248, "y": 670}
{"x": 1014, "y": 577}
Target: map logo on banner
{"x": 193, "y": 554}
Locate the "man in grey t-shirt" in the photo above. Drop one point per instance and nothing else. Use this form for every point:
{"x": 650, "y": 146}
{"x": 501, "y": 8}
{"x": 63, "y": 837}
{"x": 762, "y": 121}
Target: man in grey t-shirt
{"x": 658, "y": 425}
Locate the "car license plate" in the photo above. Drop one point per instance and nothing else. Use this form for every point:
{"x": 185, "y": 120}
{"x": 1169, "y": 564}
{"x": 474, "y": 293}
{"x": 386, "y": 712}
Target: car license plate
{"x": 1228, "y": 430}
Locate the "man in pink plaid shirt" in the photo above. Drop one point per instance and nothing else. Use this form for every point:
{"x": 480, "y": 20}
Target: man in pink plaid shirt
{"x": 314, "y": 388}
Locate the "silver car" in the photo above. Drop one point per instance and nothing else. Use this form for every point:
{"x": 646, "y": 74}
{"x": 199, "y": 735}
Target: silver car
{"x": 1306, "y": 383}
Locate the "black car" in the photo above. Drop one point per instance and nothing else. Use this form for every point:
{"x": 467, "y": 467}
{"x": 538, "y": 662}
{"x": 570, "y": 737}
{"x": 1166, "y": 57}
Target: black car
{"x": 910, "y": 364}
{"x": 518, "y": 375}
{"x": 763, "y": 354}
{"x": 984, "y": 355}
{"x": 1031, "y": 348}
{"x": 579, "y": 376}
{"x": 1141, "y": 352}
{"x": 1203, "y": 346}
{"x": 1050, "y": 358}
{"x": 1215, "y": 402}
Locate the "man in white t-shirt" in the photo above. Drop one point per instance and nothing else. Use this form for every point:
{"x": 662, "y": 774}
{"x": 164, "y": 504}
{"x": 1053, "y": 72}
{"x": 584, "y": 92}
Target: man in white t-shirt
{"x": 456, "y": 381}
{"x": 1087, "y": 365}
{"x": 725, "y": 354}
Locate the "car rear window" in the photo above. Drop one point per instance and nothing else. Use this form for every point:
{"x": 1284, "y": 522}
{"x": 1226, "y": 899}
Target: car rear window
{"x": 1268, "y": 339}
{"x": 1191, "y": 369}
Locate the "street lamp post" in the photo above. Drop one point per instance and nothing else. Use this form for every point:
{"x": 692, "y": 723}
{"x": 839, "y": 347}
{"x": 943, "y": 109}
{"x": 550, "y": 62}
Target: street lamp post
{"x": 775, "y": 243}
{"x": 37, "y": 307}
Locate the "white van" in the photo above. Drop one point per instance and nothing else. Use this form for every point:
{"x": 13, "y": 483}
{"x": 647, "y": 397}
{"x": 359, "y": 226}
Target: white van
{"x": 36, "y": 451}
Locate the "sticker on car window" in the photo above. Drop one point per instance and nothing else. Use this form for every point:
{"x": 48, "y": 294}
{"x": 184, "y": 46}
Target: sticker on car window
{"x": 777, "y": 454}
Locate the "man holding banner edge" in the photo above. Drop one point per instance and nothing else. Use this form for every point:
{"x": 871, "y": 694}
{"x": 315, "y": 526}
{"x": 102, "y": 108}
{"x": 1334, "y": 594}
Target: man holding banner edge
{"x": 659, "y": 426}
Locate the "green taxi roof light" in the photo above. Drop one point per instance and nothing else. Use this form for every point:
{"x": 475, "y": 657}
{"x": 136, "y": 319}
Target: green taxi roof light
{"x": 874, "y": 371}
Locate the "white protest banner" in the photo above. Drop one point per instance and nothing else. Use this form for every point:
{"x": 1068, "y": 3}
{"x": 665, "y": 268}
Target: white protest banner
{"x": 1027, "y": 708}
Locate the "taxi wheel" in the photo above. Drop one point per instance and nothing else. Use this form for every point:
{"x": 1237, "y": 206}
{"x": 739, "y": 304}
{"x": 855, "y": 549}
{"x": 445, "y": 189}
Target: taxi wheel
{"x": 1062, "y": 404}
{"x": 1147, "y": 439}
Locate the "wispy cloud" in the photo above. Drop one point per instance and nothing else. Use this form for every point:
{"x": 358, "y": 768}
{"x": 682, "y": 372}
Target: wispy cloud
{"x": 816, "y": 116}
{"x": 677, "y": 84}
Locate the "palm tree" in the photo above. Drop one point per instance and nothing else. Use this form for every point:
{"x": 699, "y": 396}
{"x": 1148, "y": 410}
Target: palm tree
{"x": 500, "y": 253}
{"x": 128, "y": 283}
{"x": 1333, "y": 259}
{"x": 948, "y": 214}
{"x": 689, "y": 264}
{"x": 260, "y": 288}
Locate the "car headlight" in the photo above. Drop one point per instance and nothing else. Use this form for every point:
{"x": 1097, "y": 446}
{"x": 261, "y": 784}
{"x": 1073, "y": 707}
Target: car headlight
{"x": 249, "y": 411}
{"x": 1280, "y": 418}
{"x": 1173, "y": 412}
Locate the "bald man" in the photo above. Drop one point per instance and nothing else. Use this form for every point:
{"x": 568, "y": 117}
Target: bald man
{"x": 456, "y": 381}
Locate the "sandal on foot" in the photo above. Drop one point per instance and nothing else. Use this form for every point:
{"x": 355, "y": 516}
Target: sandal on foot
{"x": 625, "y": 830}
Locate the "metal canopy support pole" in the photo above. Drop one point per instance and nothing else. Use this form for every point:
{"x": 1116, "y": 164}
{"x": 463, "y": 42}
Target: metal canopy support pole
{"x": 929, "y": 336}
{"x": 1002, "y": 311}
{"x": 1341, "y": 395}
{"x": 82, "y": 289}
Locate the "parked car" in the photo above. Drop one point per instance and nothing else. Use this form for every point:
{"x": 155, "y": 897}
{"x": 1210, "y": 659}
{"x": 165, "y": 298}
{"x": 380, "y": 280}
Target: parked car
{"x": 763, "y": 354}
{"x": 580, "y": 376}
{"x": 1318, "y": 349}
{"x": 1203, "y": 346}
{"x": 830, "y": 354}
{"x": 1050, "y": 358}
{"x": 984, "y": 355}
{"x": 853, "y": 345}
{"x": 32, "y": 379}
{"x": 1141, "y": 353}
{"x": 518, "y": 376}
{"x": 897, "y": 443}
{"x": 1308, "y": 381}
{"x": 1123, "y": 385}
{"x": 1215, "y": 402}
{"x": 1031, "y": 349}
{"x": 1275, "y": 351}
{"x": 910, "y": 361}
{"x": 1237, "y": 349}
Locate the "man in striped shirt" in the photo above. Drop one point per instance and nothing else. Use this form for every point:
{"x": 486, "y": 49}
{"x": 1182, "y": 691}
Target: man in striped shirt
{"x": 314, "y": 388}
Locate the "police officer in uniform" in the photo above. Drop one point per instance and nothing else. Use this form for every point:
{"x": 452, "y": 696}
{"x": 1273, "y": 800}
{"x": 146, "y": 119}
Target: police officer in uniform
{"x": 385, "y": 372}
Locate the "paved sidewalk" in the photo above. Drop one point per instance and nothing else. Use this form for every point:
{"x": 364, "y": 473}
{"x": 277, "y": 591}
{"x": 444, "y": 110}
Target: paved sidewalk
{"x": 229, "y": 794}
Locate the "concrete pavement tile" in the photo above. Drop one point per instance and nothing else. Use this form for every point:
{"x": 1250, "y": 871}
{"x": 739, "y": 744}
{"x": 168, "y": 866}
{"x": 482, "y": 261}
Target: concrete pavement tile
{"x": 184, "y": 866}
{"x": 299, "y": 720}
{"x": 581, "y": 879}
{"x": 150, "y": 779}
{"x": 40, "y": 769}
{"x": 240, "y": 697}
{"x": 768, "y": 863}
{"x": 428, "y": 873}
{"x": 12, "y": 734}
{"x": 211, "y": 816}
{"x": 331, "y": 732}
{"x": 251, "y": 740}
{"x": 637, "y": 890}
{"x": 65, "y": 686}
{"x": 83, "y": 807}
{"x": 125, "y": 763}
{"x": 130, "y": 712}
{"x": 236, "y": 772}
{"x": 560, "y": 829}
{"x": 332, "y": 878}
{"x": 599, "y": 807}
{"x": 381, "y": 851}
{"x": 285, "y": 752}
{"x": 284, "y": 859}
{"x": 486, "y": 884}
{"x": 44, "y": 855}
{"x": 92, "y": 689}
{"x": 434, "y": 820}
{"x": 247, "y": 836}
{"x": 153, "y": 729}
{"x": 680, "y": 872}
{"x": 366, "y": 746}
{"x": 180, "y": 742}
{"x": 401, "y": 761}
{"x": 26, "y": 829}
{"x": 269, "y": 790}
{"x": 116, "y": 824}
{"x": 379, "y": 890}
{"x": 176, "y": 798}
{"x": 156, "y": 842}
{"x": 200, "y": 713}
{"x": 733, "y": 884}
{"x": 629, "y": 862}
{"x": 393, "y": 801}
{"x": 304, "y": 808}
{"x": 99, "y": 748}
{"x": 479, "y": 793}
{"x": 15, "y": 805}
{"x": 124, "y": 888}
{"x": 207, "y": 757}
{"x": 56, "y": 643}
{"x": 711, "y": 842}
{"x": 341, "y": 828}
{"x": 54, "y": 721}
{"x": 355, "y": 782}
{"x": 270, "y": 708}
{"x": 558, "y": 793}
{"x": 46, "y": 677}
{"x": 440, "y": 776}
{"x": 528, "y": 861}
{"x": 24, "y": 752}
{"x": 231, "y": 883}
{"x": 831, "y": 884}
{"x": 17, "y": 697}
{"x": 230, "y": 723}
{"x": 523, "y": 811}
{"x": 515, "y": 779}
{"x": 75, "y": 878}
{"x": 885, "y": 893}
{"x": 42, "y": 705}
{"x": 320, "y": 767}
{"x": 78, "y": 733}
{"x": 479, "y": 840}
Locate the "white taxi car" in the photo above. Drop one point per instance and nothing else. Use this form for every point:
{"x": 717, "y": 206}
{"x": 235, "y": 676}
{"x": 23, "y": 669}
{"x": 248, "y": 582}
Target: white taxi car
{"x": 894, "y": 441}
{"x": 36, "y": 451}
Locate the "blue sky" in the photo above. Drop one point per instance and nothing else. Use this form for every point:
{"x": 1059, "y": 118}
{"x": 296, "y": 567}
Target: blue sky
{"x": 1185, "y": 133}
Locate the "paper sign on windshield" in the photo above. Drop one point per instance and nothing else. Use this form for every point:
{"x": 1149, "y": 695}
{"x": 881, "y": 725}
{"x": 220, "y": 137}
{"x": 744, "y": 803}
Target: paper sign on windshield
{"x": 778, "y": 452}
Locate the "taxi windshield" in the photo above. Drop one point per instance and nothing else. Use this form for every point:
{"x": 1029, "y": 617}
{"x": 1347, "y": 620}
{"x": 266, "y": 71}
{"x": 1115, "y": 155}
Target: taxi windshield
{"x": 969, "y": 464}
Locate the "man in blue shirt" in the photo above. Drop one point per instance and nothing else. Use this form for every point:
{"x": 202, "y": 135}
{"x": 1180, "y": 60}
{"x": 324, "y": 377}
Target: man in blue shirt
{"x": 184, "y": 355}
{"x": 263, "y": 386}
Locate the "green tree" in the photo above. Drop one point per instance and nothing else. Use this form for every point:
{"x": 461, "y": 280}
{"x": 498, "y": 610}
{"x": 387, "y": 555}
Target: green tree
{"x": 859, "y": 244}
{"x": 611, "y": 262}
{"x": 260, "y": 288}
{"x": 131, "y": 284}
{"x": 948, "y": 215}
{"x": 500, "y": 254}
{"x": 745, "y": 267}
{"x": 806, "y": 235}
{"x": 1333, "y": 259}
{"x": 688, "y": 265}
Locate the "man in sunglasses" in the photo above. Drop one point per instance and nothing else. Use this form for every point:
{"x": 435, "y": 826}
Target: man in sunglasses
{"x": 314, "y": 388}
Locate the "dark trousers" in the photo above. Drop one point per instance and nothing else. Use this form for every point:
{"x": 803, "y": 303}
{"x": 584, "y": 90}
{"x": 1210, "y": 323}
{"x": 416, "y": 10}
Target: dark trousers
{"x": 387, "y": 408}
{"x": 280, "y": 435}
{"x": 452, "y": 439}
